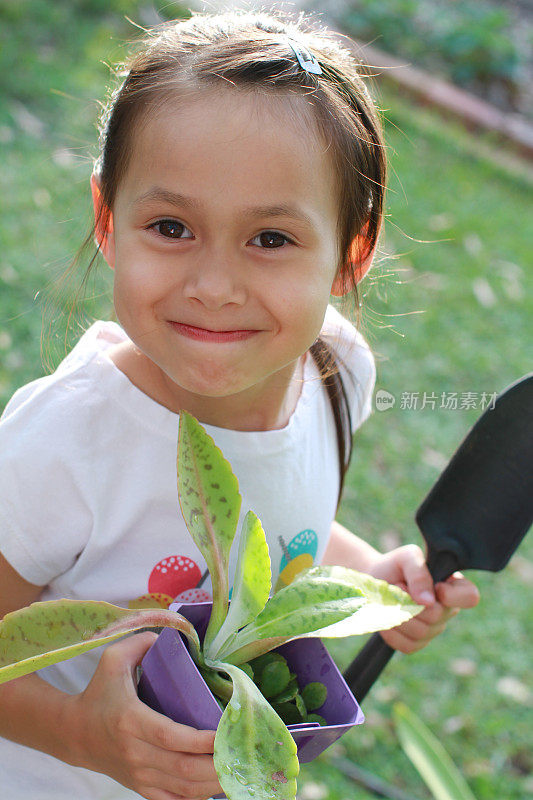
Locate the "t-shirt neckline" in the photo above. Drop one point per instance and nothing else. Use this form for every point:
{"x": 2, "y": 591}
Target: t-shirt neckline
{"x": 102, "y": 335}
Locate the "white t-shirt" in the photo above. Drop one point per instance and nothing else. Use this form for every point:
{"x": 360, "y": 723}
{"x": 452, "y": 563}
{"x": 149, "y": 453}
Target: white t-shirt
{"x": 89, "y": 507}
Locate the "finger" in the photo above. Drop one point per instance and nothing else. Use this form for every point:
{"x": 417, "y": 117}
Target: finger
{"x": 191, "y": 768}
{"x": 160, "y": 731}
{"x": 198, "y": 768}
{"x": 126, "y": 654}
{"x": 402, "y": 643}
{"x": 178, "y": 773}
{"x": 458, "y": 592}
{"x": 162, "y": 794}
{"x": 421, "y": 631}
{"x": 177, "y": 785}
{"x": 417, "y": 575}
{"x": 434, "y": 614}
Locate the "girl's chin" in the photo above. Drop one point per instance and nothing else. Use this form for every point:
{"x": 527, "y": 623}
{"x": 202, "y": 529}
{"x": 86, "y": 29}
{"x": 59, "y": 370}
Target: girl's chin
{"x": 205, "y": 387}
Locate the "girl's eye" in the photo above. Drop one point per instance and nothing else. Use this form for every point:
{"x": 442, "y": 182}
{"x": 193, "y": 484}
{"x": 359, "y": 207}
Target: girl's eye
{"x": 271, "y": 240}
{"x": 170, "y": 229}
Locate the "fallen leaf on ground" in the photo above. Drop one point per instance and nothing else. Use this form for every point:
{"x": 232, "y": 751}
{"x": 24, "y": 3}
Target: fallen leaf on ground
{"x": 463, "y": 667}
{"x": 522, "y": 568}
{"x": 515, "y": 690}
{"x": 312, "y": 791}
{"x": 483, "y": 293}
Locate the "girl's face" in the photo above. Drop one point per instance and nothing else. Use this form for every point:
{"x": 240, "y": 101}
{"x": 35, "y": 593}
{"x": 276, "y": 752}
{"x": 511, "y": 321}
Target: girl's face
{"x": 224, "y": 247}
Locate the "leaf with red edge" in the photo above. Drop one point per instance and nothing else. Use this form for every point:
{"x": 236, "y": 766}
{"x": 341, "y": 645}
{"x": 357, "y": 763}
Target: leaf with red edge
{"x": 210, "y": 502}
{"x": 45, "y": 633}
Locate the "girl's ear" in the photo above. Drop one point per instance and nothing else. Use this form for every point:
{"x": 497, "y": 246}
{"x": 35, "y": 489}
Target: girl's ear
{"x": 357, "y": 264}
{"x": 103, "y": 220}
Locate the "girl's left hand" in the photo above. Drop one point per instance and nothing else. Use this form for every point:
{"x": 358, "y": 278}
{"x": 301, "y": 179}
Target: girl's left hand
{"x": 406, "y": 567}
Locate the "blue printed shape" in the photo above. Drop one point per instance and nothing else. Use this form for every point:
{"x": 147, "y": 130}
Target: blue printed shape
{"x": 304, "y": 542}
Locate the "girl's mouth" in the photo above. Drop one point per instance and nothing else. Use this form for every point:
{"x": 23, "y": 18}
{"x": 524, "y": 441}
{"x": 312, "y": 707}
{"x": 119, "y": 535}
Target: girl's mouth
{"x": 206, "y": 335}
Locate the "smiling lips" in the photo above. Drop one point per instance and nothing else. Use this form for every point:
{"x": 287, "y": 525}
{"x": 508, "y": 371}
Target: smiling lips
{"x": 205, "y": 335}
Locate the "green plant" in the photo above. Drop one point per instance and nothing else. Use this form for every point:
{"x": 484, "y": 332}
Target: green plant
{"x": 477, "y": 46}
{"x": 470, "y": 41}
{"x": 272, "y": 676}
{"x": 254, "y": 752}
{"x": 429, "y": 757}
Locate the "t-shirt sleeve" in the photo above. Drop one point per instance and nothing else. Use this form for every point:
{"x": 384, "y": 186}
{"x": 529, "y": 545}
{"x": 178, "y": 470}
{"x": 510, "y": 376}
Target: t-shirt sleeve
{"x": 356, "y": 364}
{"x": 44, "y": 521}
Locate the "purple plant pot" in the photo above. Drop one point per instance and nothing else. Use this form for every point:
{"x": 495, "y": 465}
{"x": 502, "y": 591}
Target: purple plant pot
{"x": 171, "y": 684}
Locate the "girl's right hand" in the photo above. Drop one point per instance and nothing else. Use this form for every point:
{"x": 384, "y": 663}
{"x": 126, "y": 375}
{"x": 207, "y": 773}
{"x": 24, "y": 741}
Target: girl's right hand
{"x": 117, "y": 734}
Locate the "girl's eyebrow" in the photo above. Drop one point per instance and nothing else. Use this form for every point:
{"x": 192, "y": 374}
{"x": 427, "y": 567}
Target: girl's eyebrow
{"x": 158, "y": 194}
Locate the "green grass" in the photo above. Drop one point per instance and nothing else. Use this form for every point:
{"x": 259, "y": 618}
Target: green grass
{"x": 455, "y": 344}
{"x": 455, "y": 219}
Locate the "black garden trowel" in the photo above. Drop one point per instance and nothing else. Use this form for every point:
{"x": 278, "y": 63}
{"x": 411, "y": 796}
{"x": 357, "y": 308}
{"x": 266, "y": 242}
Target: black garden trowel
{"x": 477, "y": 513}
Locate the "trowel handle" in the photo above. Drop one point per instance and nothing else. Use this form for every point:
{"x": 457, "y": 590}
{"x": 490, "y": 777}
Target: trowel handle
{"x": 375, "y": 655}
{"x": 367, "y": 666}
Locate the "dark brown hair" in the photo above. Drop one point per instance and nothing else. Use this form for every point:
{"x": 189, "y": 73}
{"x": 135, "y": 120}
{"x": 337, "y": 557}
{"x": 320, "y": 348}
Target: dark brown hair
{"x": 250, "y": 52}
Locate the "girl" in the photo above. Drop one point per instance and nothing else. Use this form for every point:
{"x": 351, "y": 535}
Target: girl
{"x": 240, "y": 184}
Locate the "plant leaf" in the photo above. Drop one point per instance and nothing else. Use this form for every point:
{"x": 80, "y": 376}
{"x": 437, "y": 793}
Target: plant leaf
{"x": 252, "y": 582}
{"x": 386, "y": 605}
{"x": 45, "y": 633}
{"x": 210, "y": 502}
{"x": 306, "y": 605}
{"x": 255, "y": 755}
{"x": 429, "y": 757}
{"x": 328, "y": 602}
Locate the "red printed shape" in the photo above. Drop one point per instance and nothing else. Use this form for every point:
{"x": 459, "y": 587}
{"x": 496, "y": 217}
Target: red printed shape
{"x": 197, "y": 595}
{"x": 173, "y": 575}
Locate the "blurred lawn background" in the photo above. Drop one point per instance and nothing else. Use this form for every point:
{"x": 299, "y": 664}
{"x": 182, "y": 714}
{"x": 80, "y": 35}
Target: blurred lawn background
{"x": 448, "y": 309}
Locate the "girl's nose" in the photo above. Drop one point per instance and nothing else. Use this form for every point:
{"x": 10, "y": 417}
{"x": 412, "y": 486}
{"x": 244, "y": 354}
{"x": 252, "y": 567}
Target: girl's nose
{"x": 215, "y": 281}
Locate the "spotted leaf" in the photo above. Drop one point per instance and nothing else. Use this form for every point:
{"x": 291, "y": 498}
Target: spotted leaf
{"x": 326, "y": 602}
{"x": 45, "y": 633}
{"x": 255, "y": 755}
{"x": 210, "y": 502}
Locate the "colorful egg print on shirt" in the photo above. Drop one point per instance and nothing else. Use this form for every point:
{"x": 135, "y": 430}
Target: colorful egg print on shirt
{"x": 173, "y": 578}
{"x": 298, "y": 555}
